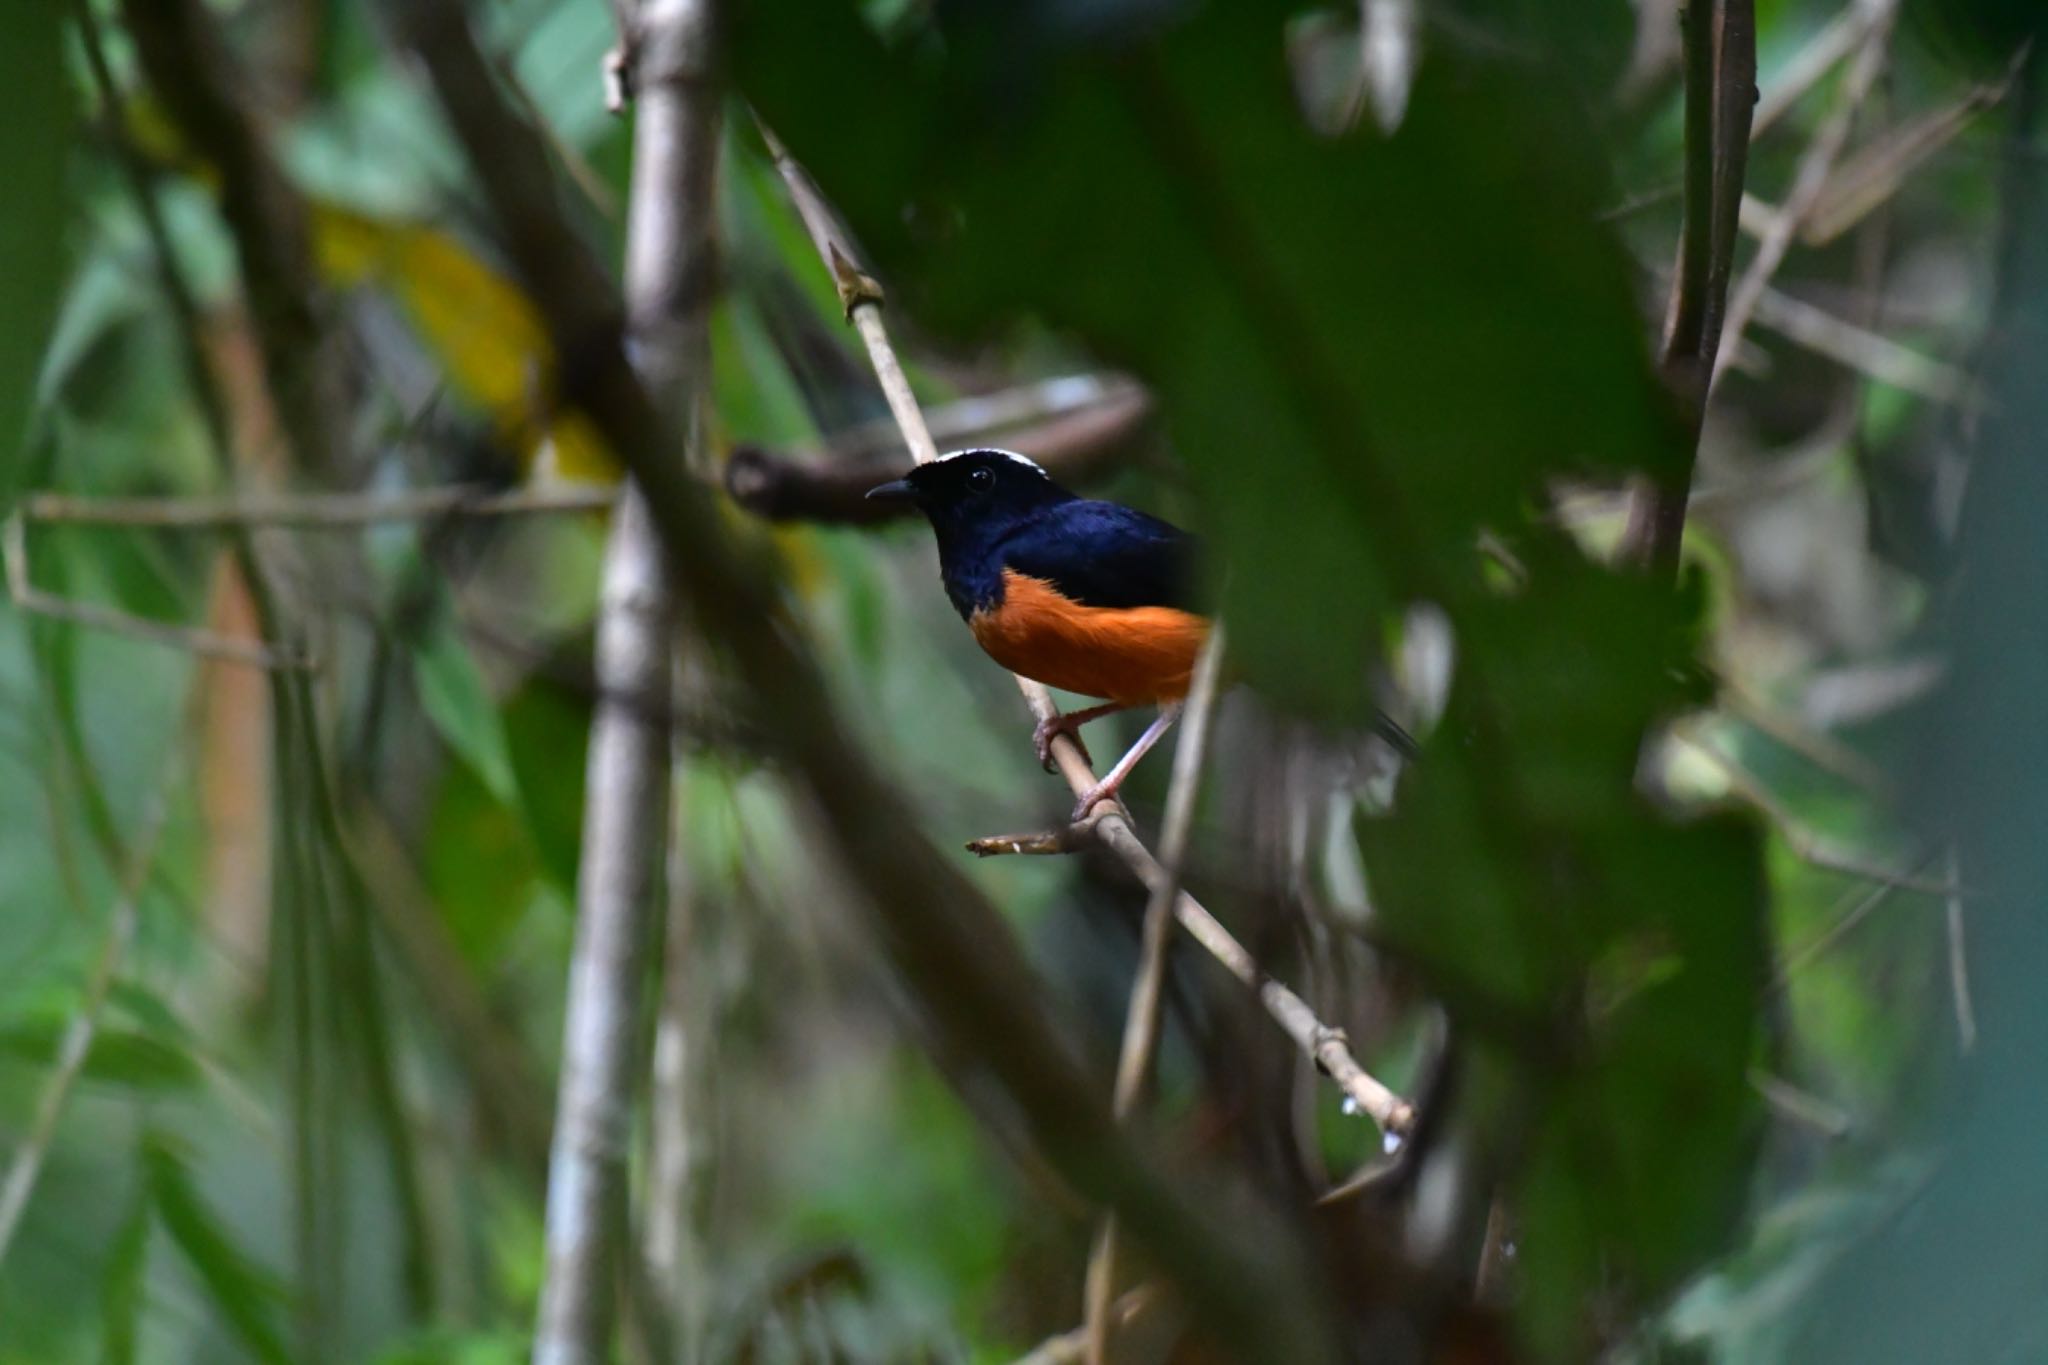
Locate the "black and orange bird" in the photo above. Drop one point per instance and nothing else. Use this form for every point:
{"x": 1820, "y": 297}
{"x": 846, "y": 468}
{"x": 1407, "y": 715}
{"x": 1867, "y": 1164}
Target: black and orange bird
{"x": 1086, "y": 596}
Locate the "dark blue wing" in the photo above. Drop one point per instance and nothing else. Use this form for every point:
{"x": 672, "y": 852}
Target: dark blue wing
{"x": 1103, "y": 554}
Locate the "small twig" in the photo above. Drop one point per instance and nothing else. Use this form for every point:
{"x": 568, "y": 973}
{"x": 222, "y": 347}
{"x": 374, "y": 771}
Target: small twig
{"x": 1494, "y": 1251}
{"x": 1328, "y": 1047}
{"x": 1863, "y": 350}
{"x": 1809, "y": 952}
{"x": 1070, "y": 424}
{"x": 311, "y": 511}
{"x": 1843, "y": 35}
{"x": 1071, "y": 1348}
{"x": 1808, "y": 181}
{"x": 76, "y": 1045}
{"x": 1806, "y": 845}
{"x": 1141, "y": 1025}
{"x": 1042, "y": 843}
{"x": 1817, "y": 747}
{"x": 1141, "y": 1022}
{"x": 1657, "y": 52}
{"x": 1809, "y": 1111}
{"x": 1870, "y": 177}
{"x": 188, "y": 639}
{"x": 1959, "y": 958}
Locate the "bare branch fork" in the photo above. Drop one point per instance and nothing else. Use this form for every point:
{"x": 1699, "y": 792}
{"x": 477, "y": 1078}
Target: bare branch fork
{"x": 1328, "y": 1047}
{"x": 669, "y": 273}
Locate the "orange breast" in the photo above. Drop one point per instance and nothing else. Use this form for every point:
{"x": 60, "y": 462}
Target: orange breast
{"x": 1132, "y": 655}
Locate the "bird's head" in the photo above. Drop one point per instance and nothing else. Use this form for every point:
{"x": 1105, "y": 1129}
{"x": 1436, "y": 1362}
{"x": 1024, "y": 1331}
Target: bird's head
{"x": 975, "y": 491}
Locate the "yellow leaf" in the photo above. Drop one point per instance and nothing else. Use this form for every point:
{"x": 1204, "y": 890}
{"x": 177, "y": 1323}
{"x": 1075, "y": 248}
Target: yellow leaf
{"x": 477, "y": 323}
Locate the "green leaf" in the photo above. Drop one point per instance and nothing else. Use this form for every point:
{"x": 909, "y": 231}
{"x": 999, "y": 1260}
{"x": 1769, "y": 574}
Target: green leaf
{"x": 152, "y": 1012}
{"x": 453, "y": 693}
{"x": 245, "y": 1293}
{"x": 122, "y": 1295}
{"x": 123, "y": 1057}
{"x": 480, "y": 864}
{"x": 1611, "y": 961}
{"x": 546, "y": 728}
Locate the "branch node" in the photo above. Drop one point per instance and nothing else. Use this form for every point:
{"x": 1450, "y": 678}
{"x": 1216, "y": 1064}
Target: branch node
{"x": 855, "y": 285}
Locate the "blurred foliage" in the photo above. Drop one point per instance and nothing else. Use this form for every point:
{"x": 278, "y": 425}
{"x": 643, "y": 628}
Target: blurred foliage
{"x": 1389, "y": 369}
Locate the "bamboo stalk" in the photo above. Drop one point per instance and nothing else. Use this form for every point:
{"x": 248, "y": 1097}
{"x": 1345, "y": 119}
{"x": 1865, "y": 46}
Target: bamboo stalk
{"x": 668, "y": 273}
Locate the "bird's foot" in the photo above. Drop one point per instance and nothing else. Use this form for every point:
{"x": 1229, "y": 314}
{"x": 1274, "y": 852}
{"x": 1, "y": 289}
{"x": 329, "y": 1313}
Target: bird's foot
{"x": 1050, "y": 729}
{"x": 1105, "y": 790}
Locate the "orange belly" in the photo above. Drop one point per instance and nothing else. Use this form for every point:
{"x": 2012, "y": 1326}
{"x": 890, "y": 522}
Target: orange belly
{"x": 1131, "y": 655}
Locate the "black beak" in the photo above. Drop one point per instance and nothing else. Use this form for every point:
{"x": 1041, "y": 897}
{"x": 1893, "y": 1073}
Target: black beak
{"x": 896, "y": 490}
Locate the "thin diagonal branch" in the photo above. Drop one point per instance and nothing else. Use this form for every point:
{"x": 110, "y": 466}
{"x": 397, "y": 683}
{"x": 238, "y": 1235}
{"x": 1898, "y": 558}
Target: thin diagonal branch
{"x": 312, "y": 511}
{"x": 205, "y": 644}
{"x": 1960, "y": 994}
{"x": 1327, "y": 1046}
{"x": 1867, "y": 179}
{"x": 1141, "y": 1027}
{"x": 76, "y": 1045}
{"x": 1844, "y": 34}
{"x": 1073, "y": 425}
{"x": 1855, "y": 911}
{"x": 1863, "y": 350}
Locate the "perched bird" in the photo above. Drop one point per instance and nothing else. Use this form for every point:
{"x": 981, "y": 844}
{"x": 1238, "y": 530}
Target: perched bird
{"x": 1090, "y": 597}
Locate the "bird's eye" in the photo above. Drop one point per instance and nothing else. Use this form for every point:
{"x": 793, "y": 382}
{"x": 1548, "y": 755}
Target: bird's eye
{"x": 982, "y": 478}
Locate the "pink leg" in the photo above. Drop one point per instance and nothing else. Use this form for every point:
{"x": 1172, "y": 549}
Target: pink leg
{"x": 1106, "y": 789}
{"x": 1069, "y": 725}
